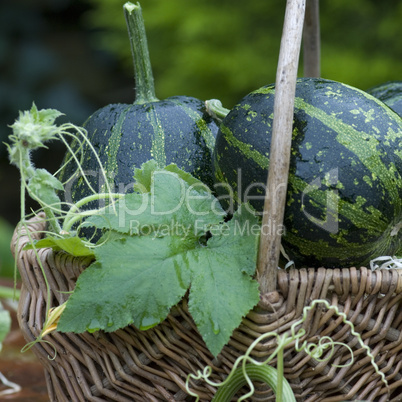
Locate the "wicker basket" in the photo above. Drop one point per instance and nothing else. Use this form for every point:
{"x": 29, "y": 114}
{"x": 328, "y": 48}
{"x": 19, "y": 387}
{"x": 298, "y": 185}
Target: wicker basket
{"x": 152, "y": 365}
{"x": 133, "y": 365}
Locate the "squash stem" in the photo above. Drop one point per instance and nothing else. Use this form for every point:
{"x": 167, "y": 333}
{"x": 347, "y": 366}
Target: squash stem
{"x": 144, "y": 80}
{"x": 263, "y": 373}
{"x": 216, "y": 110}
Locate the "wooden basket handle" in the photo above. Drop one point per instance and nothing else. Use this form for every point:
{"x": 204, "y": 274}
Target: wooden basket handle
{"x": 285, "y": 89}
{"x": 311, "y": 40}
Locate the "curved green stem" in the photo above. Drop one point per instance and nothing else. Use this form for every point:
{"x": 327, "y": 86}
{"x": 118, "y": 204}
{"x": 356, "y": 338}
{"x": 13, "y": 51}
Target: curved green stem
{"x": 216, "y": 110}
{"x": 280, "y": 382}
{"x": 144, "y": 80}
{"x": 262, "y": 373}
{"x": 53, "y": 222}
{"x": 72, "y": 216}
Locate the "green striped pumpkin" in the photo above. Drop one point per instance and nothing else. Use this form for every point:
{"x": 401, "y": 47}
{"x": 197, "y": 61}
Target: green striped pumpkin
{"x": 344, "y": 199}
{"x": 174, "y": 130}
{"x": 390, "y": 93}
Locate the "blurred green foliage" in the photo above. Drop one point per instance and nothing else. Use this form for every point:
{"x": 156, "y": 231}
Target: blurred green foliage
{"x": 227, "y": 48}
{"x": 6, "y": 258}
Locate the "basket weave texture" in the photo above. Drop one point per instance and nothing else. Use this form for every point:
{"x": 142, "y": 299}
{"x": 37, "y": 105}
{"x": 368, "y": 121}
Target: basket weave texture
{"x": 133, "y": 365}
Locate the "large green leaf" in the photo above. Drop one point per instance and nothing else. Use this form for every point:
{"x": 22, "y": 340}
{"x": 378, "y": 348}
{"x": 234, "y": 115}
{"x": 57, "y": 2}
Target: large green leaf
{"x": 139, "y": 276}
{"x": 222, "y": 290}
{"x": 135, "y": 280}
{"x": 170, "y": 202}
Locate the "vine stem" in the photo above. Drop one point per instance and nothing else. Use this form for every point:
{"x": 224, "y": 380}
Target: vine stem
{"x": 27, "y": 169}
{"x": 265, "y": 374}
{"x": 252, "y": 370}
{"x": 72, "y": 216}
{"x": 53, "y": 222}
{"x": 274, "y": 206}
{"x": 144, "y": 80}
{"x": 279, "y": 368}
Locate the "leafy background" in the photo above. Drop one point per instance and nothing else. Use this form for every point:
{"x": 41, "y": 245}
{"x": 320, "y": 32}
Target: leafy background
{"x": 226, "y": 48}
{"x": 73, "y": 55}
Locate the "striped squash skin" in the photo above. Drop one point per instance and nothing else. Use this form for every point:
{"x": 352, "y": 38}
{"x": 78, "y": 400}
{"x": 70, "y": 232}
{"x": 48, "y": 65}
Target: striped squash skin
{"x": 345, "y": 186}
{"x": 174, "y": 130}
{"x": 390, "y": 93}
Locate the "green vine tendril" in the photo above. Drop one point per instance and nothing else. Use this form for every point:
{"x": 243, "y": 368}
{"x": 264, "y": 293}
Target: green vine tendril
{"x": 31, "y": 131}
{"x": 243, "y": 364}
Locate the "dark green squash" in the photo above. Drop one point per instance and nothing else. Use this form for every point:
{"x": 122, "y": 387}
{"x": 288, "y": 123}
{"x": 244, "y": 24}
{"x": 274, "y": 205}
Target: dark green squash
{"x": 390, "y": 93}
{"x": 344, "y": 199}
{"x": 175, "y": 130}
